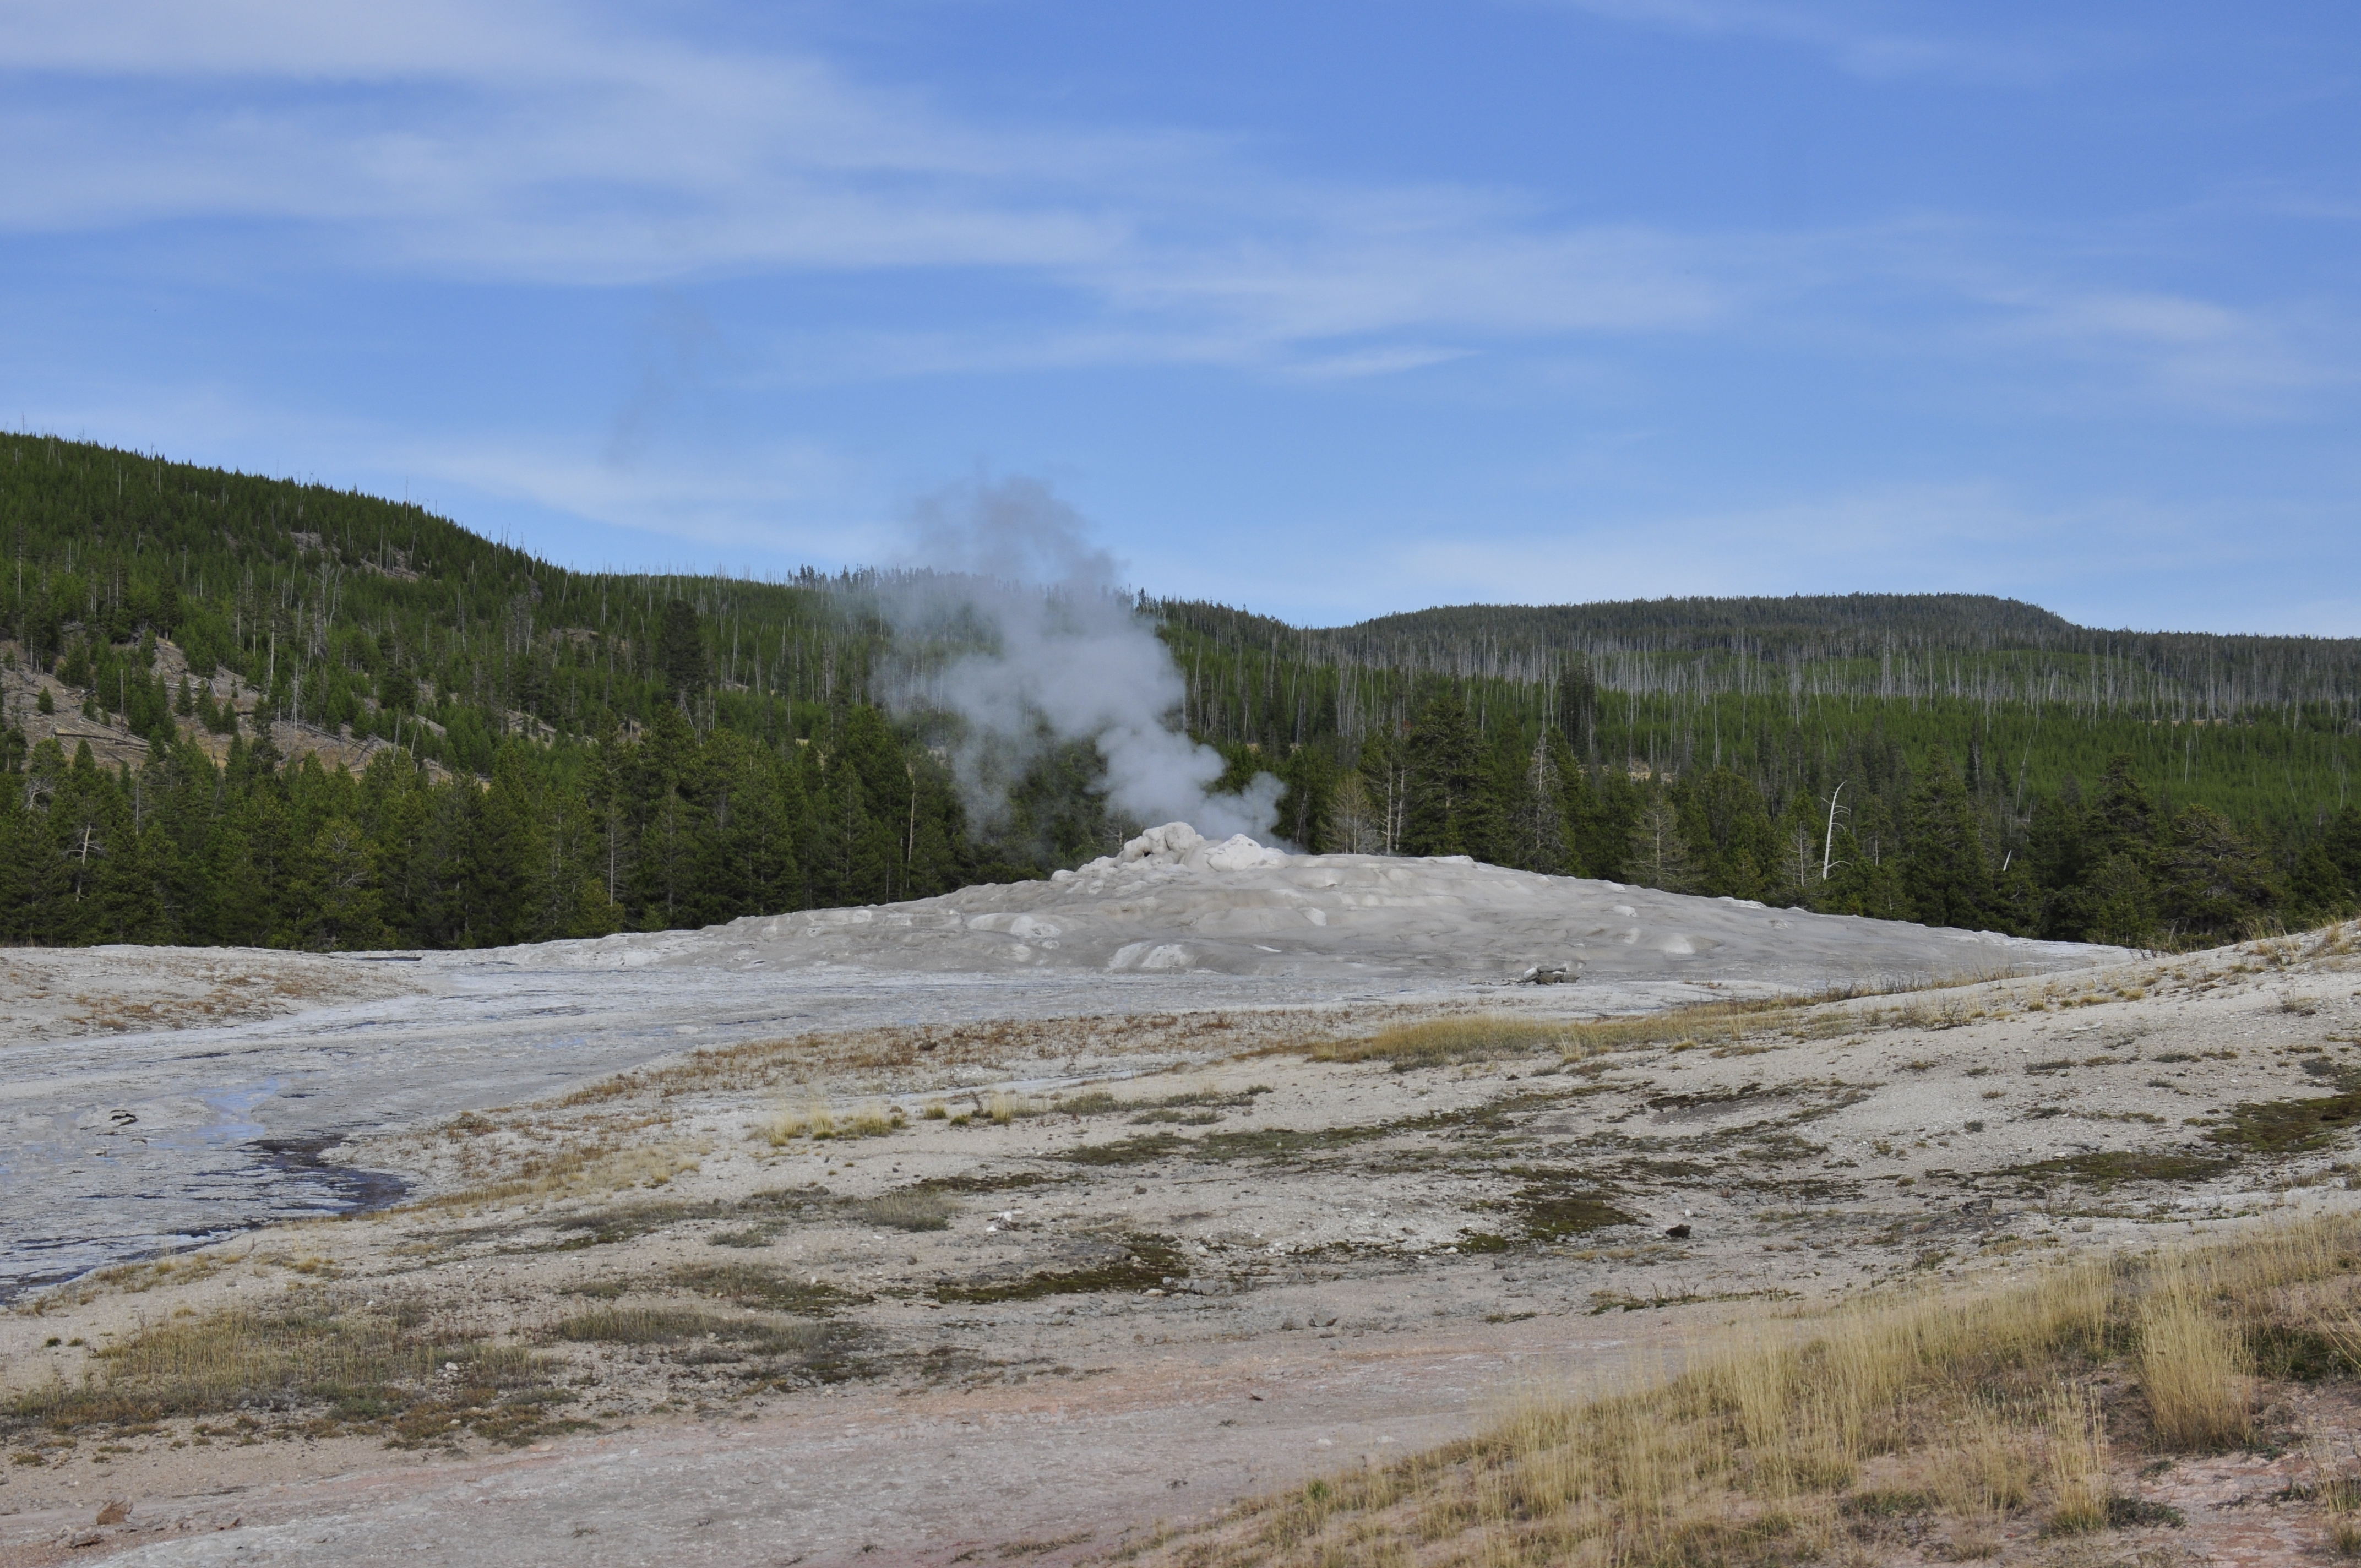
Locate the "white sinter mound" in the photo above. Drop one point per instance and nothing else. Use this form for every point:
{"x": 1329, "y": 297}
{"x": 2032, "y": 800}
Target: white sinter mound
{"x": 222, "y": 1103}
{"x": 1174, "y": 902}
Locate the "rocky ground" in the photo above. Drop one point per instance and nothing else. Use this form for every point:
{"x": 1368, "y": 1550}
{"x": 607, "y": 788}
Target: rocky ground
{"x": 112, "y": 744}
{"x": 1048, "y": 1282}
{"x": 160, "y": 1099}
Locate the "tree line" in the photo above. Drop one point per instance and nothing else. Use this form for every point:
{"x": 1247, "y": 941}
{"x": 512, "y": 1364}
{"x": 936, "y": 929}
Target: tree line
{"x": 671, "y": 829}
{"x": 1880, "y": 836}
{"x": 576, "y": 752}
{"x": 676, "y": 829}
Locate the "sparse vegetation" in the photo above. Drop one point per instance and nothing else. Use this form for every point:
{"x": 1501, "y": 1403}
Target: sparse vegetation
{"x": 2107, "y": 1168}
{"x": 1143, "y": 1262}
{"x": 820, "y": 1123}
{"x": 1958, "y": 1411}
{"x": 1438, "y": 1041}
{"x": 331, "y": 1365}
{"x": 794, "y": 1351}
{"x": 909, "y": 1209}
{"x": 745, "y": 1286}
{"x": 2192, "y": 1366}
{"x": 1483, "y": 1036}
{"x": 2287, "y": 1126}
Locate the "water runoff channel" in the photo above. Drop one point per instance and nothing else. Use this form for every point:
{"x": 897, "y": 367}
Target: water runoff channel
{"x": 128, "y": 1146}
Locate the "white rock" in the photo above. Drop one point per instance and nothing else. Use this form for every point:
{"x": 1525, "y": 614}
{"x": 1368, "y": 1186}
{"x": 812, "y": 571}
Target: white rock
{"x": 1162, "y": 845}
{"x": 1239, "y": 853}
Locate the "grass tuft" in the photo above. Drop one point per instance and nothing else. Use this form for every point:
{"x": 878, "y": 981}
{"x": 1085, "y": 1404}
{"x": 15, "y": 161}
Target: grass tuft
{"x": 399, "y": 1371}
{"x": 2193, "y": 1365}
{"x": 2078, "y": 1464}
{"x": 1951, "y": 1420}
{"x": 911, "y": 1209}
{"x": 1483, "y": 1036}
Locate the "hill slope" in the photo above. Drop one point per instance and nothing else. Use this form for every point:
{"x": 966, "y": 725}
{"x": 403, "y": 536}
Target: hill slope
{"x": 335, "y": 721}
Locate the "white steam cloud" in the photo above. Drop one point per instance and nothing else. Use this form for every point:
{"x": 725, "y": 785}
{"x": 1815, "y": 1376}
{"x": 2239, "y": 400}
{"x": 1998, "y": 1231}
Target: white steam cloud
{"x": 1059, "y": 653}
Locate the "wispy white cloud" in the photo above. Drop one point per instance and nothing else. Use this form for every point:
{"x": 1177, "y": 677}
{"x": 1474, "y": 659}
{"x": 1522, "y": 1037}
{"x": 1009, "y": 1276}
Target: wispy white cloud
{"x": 542, "y": 142}
{"x": 2194, "y": 353}
{"x": 527, "y": 143}
{"x": 522, "y": 142}
{"x": 778, "y": 504}
{"x": 1880, "y": 41}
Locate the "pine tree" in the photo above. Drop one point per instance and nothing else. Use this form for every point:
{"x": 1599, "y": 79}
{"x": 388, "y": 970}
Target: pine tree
{"x": 1446, "y": 767}
{"x": 1599, "y": 825}
{"x": 1658, "y": 855}
{"x": 339, "y": 908}
{"x": 2342, "y": 843}
{"x": 2316, "y": 886}
{"x": 2123, "y": 819}
{"x": 1729, "y": 833}
{"x": 1537, "y": 816}
{"x": 680, "y": 652}
{"x": 1944, "y": 870}
{"x": 2210, "y": 881}
{"x": 1802, "y": 843}
{"x": 1354, "y": 823}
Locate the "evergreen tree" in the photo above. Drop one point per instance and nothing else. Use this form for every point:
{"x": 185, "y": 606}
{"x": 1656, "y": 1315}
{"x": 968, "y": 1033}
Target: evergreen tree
{"x": 1537, "y": 814}
{"x": 338, "y": 906}
{"x": 2342, "y": 844}
{"x": 2123, "y": 819}
{"x": 1944, "y": 870}
{"x": 680, "y": 652}
{"x": 1310, "y": 775}
{"x": 2317, "y": 887}
{"x": 1600, "y": 821}
{"x": 1802, "y": 843}
{"x": 2210, "y": 881}
{"x": 1353, "y": 824}
{"x": 1448, "y": 813}
{"x": 1658, "y": 855}
{"x": 1386, "y": 774}
{"x": 1730, "y": 836}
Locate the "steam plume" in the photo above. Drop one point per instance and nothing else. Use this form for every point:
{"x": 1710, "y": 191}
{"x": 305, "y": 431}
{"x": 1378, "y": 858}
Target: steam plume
{"x": 1059, "y": 652}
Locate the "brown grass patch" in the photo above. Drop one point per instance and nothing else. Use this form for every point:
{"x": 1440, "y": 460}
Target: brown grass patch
{"x": 2194, "y": 1365}
{"x": 1784, "y": 1441}
{"x": 332, "y": 1367}
{"x": 1482, "y": 1036}
{"x": 571, "y": 1173}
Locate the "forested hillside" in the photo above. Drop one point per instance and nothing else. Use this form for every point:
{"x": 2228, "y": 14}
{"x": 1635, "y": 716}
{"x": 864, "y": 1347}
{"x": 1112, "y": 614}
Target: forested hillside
{"x": 539, "y": 752}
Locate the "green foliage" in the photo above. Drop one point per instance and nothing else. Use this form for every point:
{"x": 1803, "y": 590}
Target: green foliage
{"x": 577, "y": 753}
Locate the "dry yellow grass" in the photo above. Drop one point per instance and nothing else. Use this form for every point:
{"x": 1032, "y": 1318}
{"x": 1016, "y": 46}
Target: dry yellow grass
{"x": 402, "y": 1371}
{"x": 871, "y": 1122}
{"x": 817, "y": 1120}
{"x": 1481, "y": 1036}
{"x": 820, "y": 1123}
{"x": 1780, "y": 1436}
{"x": 575, "y": 1172}
{"x": 2077, "y": 1451}
{"x": 2193, "y": 1365}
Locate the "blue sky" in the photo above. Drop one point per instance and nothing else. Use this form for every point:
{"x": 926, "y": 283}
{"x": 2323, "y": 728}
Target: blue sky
{"x": 1323, "y": 309}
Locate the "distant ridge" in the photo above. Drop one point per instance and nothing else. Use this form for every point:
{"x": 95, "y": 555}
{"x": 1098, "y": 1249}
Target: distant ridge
{"x": 1873, "y": 644}
{"x": 1819, "y": 620}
